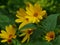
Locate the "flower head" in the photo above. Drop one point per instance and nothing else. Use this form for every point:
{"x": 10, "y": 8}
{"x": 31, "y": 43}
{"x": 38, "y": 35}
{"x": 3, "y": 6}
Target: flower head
{"x": 27, "y": 34}
{"x": 33, "y": 14}
{"x": 8, "y": 34}
{"x": 22, "y": 17}
{"x": 35, "y": 11}
{"x": 50, "y": 36}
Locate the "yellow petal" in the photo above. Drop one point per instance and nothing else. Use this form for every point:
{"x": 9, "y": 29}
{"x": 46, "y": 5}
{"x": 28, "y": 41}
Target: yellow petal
{"x": 48, "y": 38}
{"x": 21, "y": 13}
{"x": 3, "y": 34}
{"x": 23, "y": 24}
{"x": 24, "y": 30}
{"x": 34, "y": 20}
{"x": 28, "y": 38}
{"x": 37, "y": 7}
{"x": 14, "y": 36}
{"x": 40, "y": 17}
{"x": 43, "y": 13}
{"x": 2, "y": 31}
{"x": 29, "y": 13}
{"x": 4, "y": 40}
{"x": 18, "y": 20}
{"x": 24, "y": 39}
{"x": 22, "y": 34}
{"x": 10, "y": 30}
{"x": 30, "y": 7}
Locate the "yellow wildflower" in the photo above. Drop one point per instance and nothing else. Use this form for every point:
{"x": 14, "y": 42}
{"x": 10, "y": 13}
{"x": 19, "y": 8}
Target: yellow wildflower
{"x": 22, "y": 17}
{"x": 35, "y": 11}
{"x": 8, "y": 34}
{"x": 50, "y": 36}
{"x": 27, "y": 34}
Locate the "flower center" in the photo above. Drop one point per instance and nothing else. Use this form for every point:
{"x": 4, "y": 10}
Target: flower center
{"x": 51, "y": 36}
{"x": 0, "y": 31}
{"x": 9, "y": 40}
{"x": 35, "y": 14}
{"x": 10, "y": 36}
{"x": 29, "y": 31}
{"x": 27, "y": 19}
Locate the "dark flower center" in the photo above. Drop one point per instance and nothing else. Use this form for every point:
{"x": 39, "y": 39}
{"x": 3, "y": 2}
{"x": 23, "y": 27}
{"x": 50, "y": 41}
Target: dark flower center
{"x": 29, "y": 31}
{"x": 9, "y": 40}
{"x": 35, "y": 14}
{"x": 10, "y": 36}
{"x": 27, "y": 19}
{"x": 51, "y": 36}
{"x": 0, "y": 31}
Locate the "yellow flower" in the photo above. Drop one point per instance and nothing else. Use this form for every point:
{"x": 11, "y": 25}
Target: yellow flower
{"x": 22, "y": 17}
{"x": 27, "y": 34}
{"x": 33, "y": 14}
{"x": 35, "y": 11}
{"x": 8, "y": 34}
{"x": 50, "y": 36}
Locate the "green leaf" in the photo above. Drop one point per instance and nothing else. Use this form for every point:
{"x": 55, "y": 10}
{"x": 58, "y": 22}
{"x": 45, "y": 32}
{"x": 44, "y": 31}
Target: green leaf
{"x": 50, "y": 22}
{"x": 14, "y": 5}
{"x": 57, "y": 41}
{"x": 38, "y": 43}
{"x": 16, "y": 42}
{"x": 31, "y": 25}
{"x": 4, "y": 20}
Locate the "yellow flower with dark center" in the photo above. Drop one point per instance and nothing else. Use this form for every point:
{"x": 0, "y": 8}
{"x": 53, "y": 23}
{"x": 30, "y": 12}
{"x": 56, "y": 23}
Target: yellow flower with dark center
{"x": 27, "y": 34}
{"x": 22, "y": 17}
{"x": 35, "y": 12}
{"x": 8, "y": 34}
{"x": 50, "y": 36}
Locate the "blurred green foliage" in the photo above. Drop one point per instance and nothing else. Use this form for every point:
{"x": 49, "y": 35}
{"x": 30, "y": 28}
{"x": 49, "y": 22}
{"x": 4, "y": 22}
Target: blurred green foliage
{"x": 8, "y": 10}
